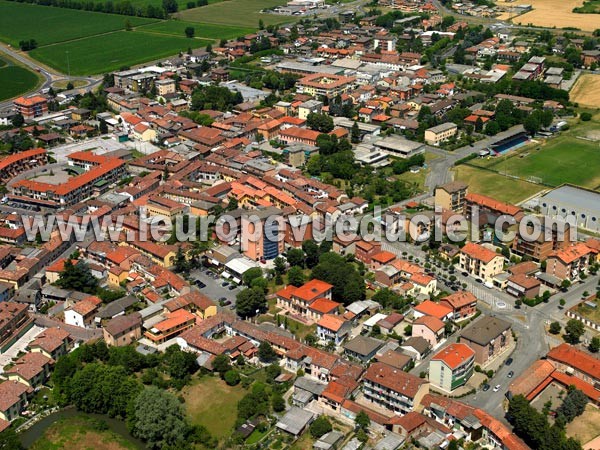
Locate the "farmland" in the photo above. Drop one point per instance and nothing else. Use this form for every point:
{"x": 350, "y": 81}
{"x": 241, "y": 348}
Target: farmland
{"x": 49, "y": 25}
{"x": 243, "y": 13}
{"x": 555, "y": 13}
{"x": 109, "y": 52}
{"x": 586, "y": 90}
{"x": 202, "y": 30}
{"x": 15, "y": 80}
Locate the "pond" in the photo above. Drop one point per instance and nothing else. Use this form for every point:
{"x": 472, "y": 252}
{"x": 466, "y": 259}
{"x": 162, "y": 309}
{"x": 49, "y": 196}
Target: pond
{"x": 37, "y": 430}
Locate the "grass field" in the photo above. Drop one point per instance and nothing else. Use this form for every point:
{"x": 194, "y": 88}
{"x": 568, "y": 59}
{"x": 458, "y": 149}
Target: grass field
{"x": 494, "y": 185}
{"x": 586, "y": 90}
{"x": 109, "y": 52}
{"x": 243, "y": 13}
{"x": 15, "y": 80}
{"x": 213, "y": 404}
{"x": 585, "y": 427}
{"x": 78, "y": 433}
{"x": 48, "y": 25}
{"x": 589, "y": 7}
{"x": 203, "y": 30}
{"x": 554, "y": 13}
{"x": 562, "y": 159}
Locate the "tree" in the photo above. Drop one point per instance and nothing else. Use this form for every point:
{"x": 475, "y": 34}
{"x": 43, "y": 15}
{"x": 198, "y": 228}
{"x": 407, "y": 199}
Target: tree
{"x": 128, "y": 26}
{"x": 322, "y": 123}
{"x": 348, "y": 284}
{"x": 18, "y": 120}
{"x": 278, "y": 403}
{"x": 77, "y": 277}
{"x": 189, "y": 32}
{"x": 250, "y": 301}
{"x": 250, "y": 275}
{"x": 311, "y": 249}
{"x": 266, "y": 353}
{"x": 572, "y": 406}
{"x": 170, "y": 6}
{"x": 295, "y": 257}
{"x": 594, "y": 346}
{"x": 9, "y": 440}
{"x": 261, "y": 24}
{"x": 320, "y": 426}
{"x": 355, "y": 133}
{"x": 103, "y": 128}
{"x": 296, "y": 276}
{"x": 221, "y": 364}
{"x": 585, "y": 116}
{"x": 362, "y": 420}
{"x": 555, "y": 328}
{"x": 532, "y": 124}
{"x": 181, "y": 263}
{"x": 158, "y": 419}
{"x": 232, "y": 377}
{"x": 179, "y": 364}
{"x": 279, "y": 265}
{"x": 573, "y": 331}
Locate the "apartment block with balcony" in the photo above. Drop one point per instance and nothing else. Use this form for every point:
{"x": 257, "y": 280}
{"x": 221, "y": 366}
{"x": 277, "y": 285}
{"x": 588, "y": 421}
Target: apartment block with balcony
{"x": 489, "y": 337}
{"x": 451, "y": 196}
{"x": 480, "y": 261}
{"x": 452, "y": 367}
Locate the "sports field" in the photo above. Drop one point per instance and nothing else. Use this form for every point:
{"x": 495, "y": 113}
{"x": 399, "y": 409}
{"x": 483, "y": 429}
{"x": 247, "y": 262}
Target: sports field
{"x": 15, "y": 80}
{"x": 243, "y": 13}
{"x": 109, "y": 52}
{"x": 586, "y": 90}
{"x": 555, "y": 13}
{"x": 48, "y": 25}
{"x": 202, "y": 30}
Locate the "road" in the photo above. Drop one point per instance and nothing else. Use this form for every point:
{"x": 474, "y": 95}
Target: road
{"x": 49, "y": 75}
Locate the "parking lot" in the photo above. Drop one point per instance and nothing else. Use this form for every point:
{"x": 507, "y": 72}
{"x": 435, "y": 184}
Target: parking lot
{"x": 214, "y": 288}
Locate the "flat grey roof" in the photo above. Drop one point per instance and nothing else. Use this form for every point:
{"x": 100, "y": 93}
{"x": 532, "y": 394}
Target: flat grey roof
{"x": 575, "y": 198}
{"x": 295, "y": 420}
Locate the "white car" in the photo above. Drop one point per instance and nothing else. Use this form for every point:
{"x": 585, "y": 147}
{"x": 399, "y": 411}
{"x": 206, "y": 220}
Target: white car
{"x": 496, "y": 388}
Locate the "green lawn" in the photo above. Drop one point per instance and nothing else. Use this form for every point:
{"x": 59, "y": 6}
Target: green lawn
{"x": 210, "y": 402}
{"x": 202, "y": 30}
{"x": 16, "y": 80}
{"x": 79, "y": 433}
{"x": 244, "y": 13}
{"x": 494, "y": 185}
{"x": 588, "y": 7}
{"x": 109, "y": 52}
{"x": 47, "y": 25}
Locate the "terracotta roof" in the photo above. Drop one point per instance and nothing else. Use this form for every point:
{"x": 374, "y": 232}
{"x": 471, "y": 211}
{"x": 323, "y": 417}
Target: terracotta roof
{"x": 460, "y": 299}
{"x": 194, "y": 338}
{"x": 21, "y": 156}
{"x": 331, "y": 322}
{"x": 524, "y": 281}
{"x": 454, "y": 355}
{"x": 324, "y": 305}
{"x": 578, "y": 359}
{"x": 29, "y": 365}
{"x": 11, "y": 392}
{"x": 175, "y": 319}
{"x": 383, "y": 257}
{"x": 534, "y": 376}
{"x": 478, "y": 252}
{"x": 394, "y": 379}
{"x": 491, "y": 203}
{"x": 572, "y": 253}
{"x": 433, "y": 309}
{"x": 433, "y": 323}
{"x": 312, "y": 290}
{"x": 50, "y": 339}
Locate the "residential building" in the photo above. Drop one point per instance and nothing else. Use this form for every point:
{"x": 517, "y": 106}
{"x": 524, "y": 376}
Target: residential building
{"x": 14, "y": 322}
{"x": 440, "y": 133}
{"x": 174, "y": 324}
{"x": 522, "y": 286}
{"x": 429, "y": 328}
{"x": 13, "y": 399}
{"x": 328, "y": 85}
{"x": 580, "y": 364}
{"x": 362, "y": 348}
{"x": 123, "y": 330}
{"x": 52, "y": 342}
{"x": 393, "y": 389}
{"x": 82, "y": 313}
{"x": 299, "y": 299}
{"x": 331, "y": 328}
{"x": 32, "y": 369}
{"x": 571, "y": 262}
{"x": 480, "y": 261}
{"x": 463, "y": 304}
{"x": 451, "y": 367}
{"x": 31, "y": 107}
{"x": 14, "y": 164}
{"x": 489, "y": 337}
{"x": 451, "y": 196}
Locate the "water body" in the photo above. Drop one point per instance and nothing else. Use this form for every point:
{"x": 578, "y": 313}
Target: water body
{"x": 29, "y": 436}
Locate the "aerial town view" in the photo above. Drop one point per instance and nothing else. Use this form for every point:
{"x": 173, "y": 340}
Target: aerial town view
{"x": 299, "y": 224}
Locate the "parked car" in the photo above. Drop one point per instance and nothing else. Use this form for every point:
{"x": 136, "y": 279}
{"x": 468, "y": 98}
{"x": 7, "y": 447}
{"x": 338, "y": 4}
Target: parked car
{"x": 509, "y": 361}
{"x": 465, "y": 274}
{"x": 485, "y": 387}
{"x": 510, "y": 374}
{"x": 200, "y": 284}
{"x": 231, "y": 287}
{"x": 496, "y": 388}
{"x": 225, "y": 283}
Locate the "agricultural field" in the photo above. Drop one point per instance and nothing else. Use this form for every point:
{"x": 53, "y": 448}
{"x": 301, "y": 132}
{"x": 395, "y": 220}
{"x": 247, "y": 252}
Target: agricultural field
{"x": 202, "y": 30}
{"x": 212, "y": 403}
{"x": 78, "y": 433}
{"x": 109, "y": 52}
{"x": 242, "y": 13}
{"x": 586, "y": 90}
{"x": 585, "y": 427}
{"x": 15, "y": 80}
{"x": 554, "y": 13}
{"x": 49, "y": 25}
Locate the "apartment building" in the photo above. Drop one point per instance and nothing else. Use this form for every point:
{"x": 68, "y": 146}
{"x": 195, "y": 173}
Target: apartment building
{"x": 451, "y": 196}
{"x": 462, "y": 303}
{"x": 299, "y": 300}
{"x": 123, "y": 330}
{"x": 451, "y": 367}
{"x": 549, "y": 241}
{"x": 328, "y": 85}
{"x": 440, "y": 133}
{"x": 392, "y": 388}
{"x": 480, "y": 261}
{"x": 14, "y": 322}
{"x": 12, "y": 165}
{"x": 488, "y": 337}
{"x": 575, "y": 362}
{"x": 31, "y": 107}
{"x": 570, "y": 262}
{"x": 174, "y": 324}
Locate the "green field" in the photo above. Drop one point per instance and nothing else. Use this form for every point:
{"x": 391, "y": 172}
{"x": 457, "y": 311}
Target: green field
{"x": 80, "y": 433}
{"x": 15, "y": 80}
{"x": 202, "y": 30}
{"x": 110, "y": 52}
{"x": 244, "y": 13}
{"x": 48, "y": 25}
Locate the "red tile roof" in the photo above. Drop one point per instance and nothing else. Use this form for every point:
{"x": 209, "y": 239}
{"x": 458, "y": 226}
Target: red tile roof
{"x": 433, "y": 309}
{"x": 324, "y": 305}
{"x": 578, "y": 359}
{"x": 331, "y": 322}
{"x": 491, "y": 203}
{"x": 478, "y": 252}
{"x": 394, "y": 379}
{"x": 460, "y": 299}
{"x": 454, "y": 355}
{"x": 572, "y": 253}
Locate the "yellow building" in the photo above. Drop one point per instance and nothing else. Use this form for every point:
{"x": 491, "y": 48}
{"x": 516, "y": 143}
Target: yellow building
{"x": 440, "y": 133}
